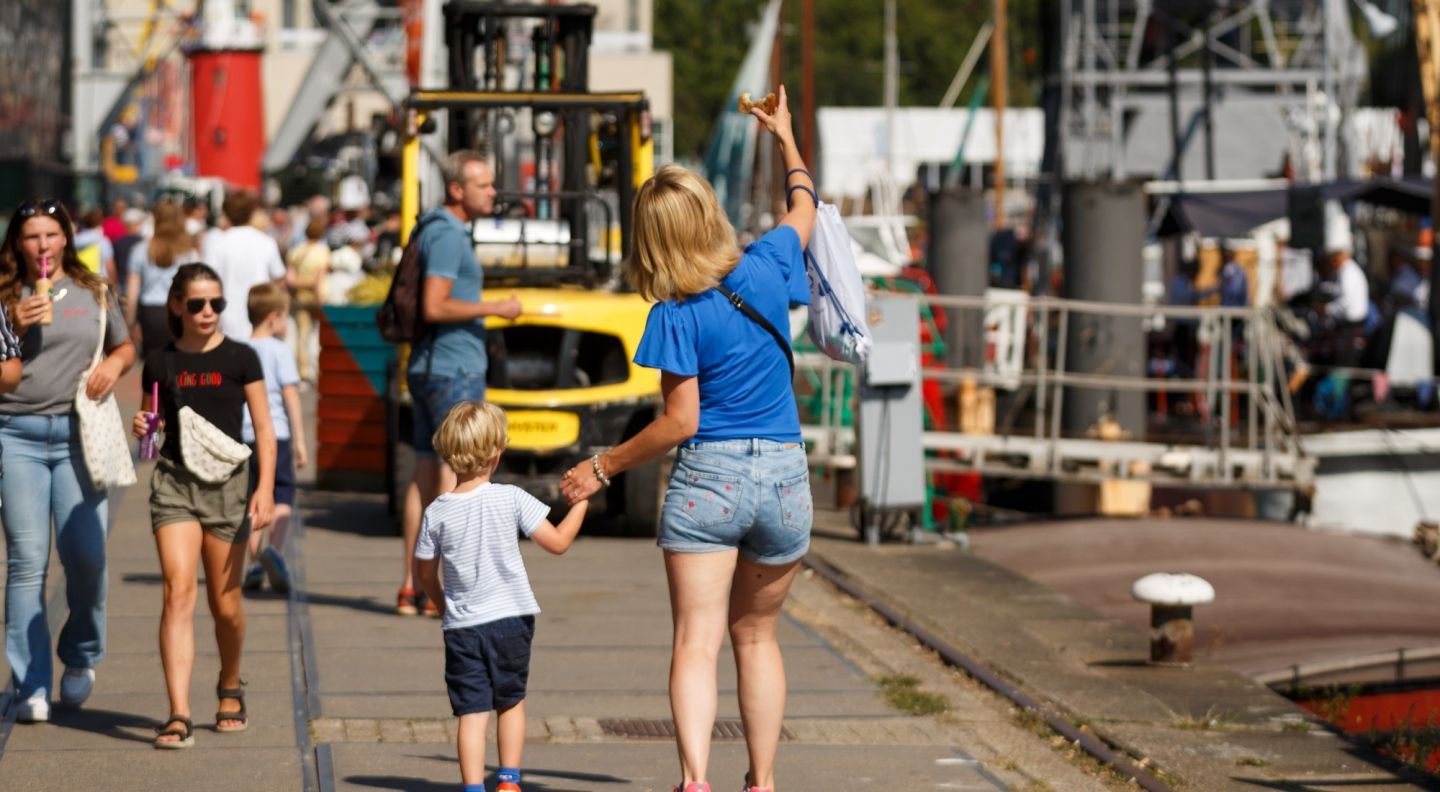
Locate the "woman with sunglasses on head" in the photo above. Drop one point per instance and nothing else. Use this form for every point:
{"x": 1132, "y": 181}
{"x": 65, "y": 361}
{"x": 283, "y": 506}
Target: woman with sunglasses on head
{"x": 196, "y": 518}
{"x": 44, "y": 466}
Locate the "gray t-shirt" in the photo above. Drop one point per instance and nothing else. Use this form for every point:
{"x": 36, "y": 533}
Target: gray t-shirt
{"x": 56, "y": 355}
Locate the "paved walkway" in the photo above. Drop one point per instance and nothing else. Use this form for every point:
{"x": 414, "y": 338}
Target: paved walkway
{"x": 1207, "y": 727}
{"x": 345, "y": 695}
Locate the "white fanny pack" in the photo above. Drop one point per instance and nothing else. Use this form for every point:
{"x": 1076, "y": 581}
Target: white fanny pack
{"x": 207, "y": 452}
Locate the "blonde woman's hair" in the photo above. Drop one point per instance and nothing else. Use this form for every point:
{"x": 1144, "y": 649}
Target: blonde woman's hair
{"x": 471, "y": 437}
{"x": 683, "y": 243}
{"x": 170, "y": 240}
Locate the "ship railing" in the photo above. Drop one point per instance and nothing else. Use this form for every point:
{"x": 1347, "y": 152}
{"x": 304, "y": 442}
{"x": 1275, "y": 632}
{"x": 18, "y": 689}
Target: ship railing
{"x": 1239, "y": 431}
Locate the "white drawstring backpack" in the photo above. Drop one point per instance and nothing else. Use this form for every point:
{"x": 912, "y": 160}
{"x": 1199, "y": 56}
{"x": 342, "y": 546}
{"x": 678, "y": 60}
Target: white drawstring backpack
{"x": 837, "y": 294}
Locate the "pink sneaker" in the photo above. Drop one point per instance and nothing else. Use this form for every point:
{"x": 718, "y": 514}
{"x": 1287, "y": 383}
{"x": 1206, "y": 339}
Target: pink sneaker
{"x": 745, "y": 787}
{"x": 692, "y": 787}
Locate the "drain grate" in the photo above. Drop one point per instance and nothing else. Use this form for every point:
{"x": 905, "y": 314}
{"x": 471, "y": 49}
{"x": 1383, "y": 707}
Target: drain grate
{"x": 642, "y": 729}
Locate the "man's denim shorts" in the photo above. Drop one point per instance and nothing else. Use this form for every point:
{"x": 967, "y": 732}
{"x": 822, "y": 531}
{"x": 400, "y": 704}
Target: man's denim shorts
{"x": 431, "y": 398}
{"x": 487, "y": 666}
{"x": 748, "y": 494}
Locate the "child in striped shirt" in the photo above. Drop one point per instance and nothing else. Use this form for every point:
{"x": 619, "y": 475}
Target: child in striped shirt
{"x": 489, "y": 619}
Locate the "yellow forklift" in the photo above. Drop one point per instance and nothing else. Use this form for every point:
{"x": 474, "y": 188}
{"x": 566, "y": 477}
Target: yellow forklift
{"x": 562, "y": 370}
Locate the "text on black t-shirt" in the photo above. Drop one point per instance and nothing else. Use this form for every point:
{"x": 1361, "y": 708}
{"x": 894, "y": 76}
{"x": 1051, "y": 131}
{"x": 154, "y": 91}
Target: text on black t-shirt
{"x": 210, "y": 383}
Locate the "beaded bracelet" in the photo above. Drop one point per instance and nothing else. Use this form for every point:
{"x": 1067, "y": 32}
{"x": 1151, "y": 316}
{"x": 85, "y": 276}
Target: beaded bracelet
{"x": 795, "y": 187}
{"x": 599, "y": 472}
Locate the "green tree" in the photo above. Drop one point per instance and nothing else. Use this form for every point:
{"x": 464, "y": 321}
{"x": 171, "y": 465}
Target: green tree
{"x": 708, "y": 39}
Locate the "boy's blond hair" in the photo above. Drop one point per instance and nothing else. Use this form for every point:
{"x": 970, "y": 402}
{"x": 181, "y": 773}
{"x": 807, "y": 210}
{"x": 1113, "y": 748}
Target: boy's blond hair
{"x": 471, "y": 437}
{"x": 683, "y": 242}
{"x": 265, "y": 299}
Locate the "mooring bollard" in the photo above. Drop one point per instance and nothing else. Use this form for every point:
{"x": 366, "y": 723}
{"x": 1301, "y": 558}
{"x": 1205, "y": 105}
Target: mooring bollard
{"x": 1172, "y": 630}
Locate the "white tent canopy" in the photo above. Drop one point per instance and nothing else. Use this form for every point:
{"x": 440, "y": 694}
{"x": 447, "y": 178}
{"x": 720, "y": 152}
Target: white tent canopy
{"x": 853, "y": 144}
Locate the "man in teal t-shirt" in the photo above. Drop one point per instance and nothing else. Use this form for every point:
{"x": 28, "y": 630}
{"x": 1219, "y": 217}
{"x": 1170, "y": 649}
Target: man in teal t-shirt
{"x": 447, "y": 366}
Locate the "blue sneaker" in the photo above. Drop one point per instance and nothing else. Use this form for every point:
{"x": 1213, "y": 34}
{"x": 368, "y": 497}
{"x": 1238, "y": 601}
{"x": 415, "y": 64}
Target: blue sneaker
{"x": 275, "y": 570}
{"x": 254, "y": 579}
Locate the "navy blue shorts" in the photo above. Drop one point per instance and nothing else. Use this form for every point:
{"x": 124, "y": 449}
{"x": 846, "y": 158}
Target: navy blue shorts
{"x": 488, "y": 665}
{"x": 284, "y": 473}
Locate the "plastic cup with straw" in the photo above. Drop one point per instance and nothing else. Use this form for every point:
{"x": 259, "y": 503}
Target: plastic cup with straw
{"x": 149, "y": 447}
{"x": 42, "y": 288}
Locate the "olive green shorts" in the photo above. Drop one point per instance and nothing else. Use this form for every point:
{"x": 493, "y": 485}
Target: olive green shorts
{"x": 176, "y": 495}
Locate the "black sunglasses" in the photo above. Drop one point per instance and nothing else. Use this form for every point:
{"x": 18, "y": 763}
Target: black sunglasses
{"x": 197, "y": 304}
{"x": 29, "y": 209}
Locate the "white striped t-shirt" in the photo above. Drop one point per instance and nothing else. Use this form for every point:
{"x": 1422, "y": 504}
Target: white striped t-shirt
{"x": 474, "y": 535}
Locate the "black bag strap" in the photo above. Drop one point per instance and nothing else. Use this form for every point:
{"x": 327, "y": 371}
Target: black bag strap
{"x": 755, "y": 316}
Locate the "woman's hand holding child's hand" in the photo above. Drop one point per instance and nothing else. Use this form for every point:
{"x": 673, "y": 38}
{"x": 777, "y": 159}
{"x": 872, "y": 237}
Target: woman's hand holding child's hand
{"x": 579, "y": 483}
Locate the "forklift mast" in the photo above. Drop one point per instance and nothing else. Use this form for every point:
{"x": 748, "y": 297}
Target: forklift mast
{"x": 488, "y": 96}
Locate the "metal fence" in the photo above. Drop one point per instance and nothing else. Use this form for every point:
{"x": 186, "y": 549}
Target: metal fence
{"x": 1238, "y": 430}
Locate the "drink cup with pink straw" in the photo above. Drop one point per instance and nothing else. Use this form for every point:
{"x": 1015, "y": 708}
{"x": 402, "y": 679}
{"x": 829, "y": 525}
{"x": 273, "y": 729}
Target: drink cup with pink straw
{"x": 42, "y": 288}
{"x": 149, "y": 444}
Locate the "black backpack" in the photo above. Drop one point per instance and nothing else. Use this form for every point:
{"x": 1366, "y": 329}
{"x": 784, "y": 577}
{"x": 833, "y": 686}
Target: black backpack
{"x": 401, "y": 317}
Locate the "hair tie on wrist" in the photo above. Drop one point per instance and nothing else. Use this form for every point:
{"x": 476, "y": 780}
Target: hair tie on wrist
{"x": 794, "y": 171}
{"x": 795, "y": 187}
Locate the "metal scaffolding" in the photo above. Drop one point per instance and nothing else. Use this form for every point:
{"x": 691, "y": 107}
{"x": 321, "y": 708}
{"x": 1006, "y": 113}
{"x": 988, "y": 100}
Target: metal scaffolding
{"x": 1120, "y": 55}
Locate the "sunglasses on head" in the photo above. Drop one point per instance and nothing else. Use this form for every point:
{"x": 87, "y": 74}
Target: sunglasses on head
{"x": 29, "y": 209}
{"x": 197, "y": 304}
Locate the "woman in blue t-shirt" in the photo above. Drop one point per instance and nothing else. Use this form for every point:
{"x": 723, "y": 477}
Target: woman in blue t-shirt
{"x": 737, "y": 512}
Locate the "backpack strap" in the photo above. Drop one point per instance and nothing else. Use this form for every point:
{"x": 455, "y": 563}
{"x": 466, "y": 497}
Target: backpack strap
{"x": 756, "y": 317}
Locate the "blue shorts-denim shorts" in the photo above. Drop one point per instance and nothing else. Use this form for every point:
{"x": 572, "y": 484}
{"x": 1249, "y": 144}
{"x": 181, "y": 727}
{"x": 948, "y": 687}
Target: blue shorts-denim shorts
{"x": 753, "y": 495}
{"x": 432, "y": 396}
{"x": 487, "y": 666}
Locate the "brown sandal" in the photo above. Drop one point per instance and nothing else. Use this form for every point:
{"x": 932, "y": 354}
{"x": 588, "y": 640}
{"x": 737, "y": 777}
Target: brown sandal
{"x": 185, "y": 733}
{"x": 237, "y": 693}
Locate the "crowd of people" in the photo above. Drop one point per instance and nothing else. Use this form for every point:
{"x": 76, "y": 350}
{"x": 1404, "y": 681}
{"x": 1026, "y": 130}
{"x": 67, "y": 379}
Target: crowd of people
{"x": 1350, "y": 329}
{"x": 207, "y": 311}
{"x": 319, "y": 250}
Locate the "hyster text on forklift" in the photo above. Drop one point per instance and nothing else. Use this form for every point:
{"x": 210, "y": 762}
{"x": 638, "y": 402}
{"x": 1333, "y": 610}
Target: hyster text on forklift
{"x": 567, "y": 162}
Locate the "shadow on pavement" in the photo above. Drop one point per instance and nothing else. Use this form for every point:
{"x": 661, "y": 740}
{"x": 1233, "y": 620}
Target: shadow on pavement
{"x": 148, "y": 578}
{"x": 363, "y": 604}
{"x": 104, "y": 722}
{"x": 594, "y": 778}
{"x": 531, "y": 782}
{"x": 400, "y": 782}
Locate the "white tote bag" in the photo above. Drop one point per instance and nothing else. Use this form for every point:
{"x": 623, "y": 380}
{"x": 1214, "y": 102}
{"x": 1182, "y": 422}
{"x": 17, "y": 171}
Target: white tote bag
{"x": 837, "y": 294}
{"x": 103, "y": 441}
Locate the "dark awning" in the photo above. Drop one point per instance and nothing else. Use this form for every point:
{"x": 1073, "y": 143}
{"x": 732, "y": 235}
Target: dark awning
{"x": 1235, "y": 214}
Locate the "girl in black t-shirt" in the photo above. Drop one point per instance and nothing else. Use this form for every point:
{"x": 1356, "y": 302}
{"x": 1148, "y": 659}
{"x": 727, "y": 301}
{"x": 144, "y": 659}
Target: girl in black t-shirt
{"x": 196, "y": 519}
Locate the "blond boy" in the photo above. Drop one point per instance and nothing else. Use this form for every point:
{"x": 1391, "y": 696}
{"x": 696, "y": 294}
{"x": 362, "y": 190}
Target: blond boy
{"x": 268, "y": 306}
{"x": 489, "y": 619}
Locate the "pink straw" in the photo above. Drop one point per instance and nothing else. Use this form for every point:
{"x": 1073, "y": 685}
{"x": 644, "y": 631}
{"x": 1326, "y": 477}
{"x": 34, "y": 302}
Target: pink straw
{"x": 45, "y": 267}
{"x": 155, "y": 398}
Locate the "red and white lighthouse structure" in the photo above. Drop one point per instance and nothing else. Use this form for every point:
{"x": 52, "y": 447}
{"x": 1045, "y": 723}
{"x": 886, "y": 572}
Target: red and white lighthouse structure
{"x": 227, "y": 98}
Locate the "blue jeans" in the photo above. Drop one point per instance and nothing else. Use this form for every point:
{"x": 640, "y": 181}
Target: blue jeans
{"x": 748, "y": 494}
{"x": 431, "y": 398}
{"x": 44, "y": 476}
